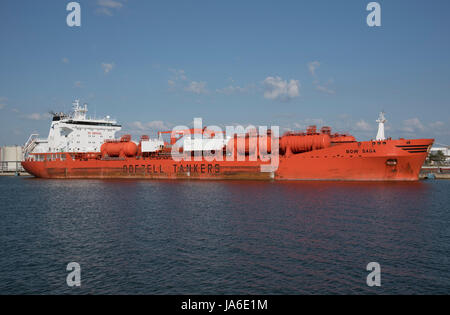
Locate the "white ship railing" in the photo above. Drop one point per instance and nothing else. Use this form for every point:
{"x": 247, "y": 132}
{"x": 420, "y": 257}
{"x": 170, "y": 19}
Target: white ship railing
{"x": 30, "y": 144}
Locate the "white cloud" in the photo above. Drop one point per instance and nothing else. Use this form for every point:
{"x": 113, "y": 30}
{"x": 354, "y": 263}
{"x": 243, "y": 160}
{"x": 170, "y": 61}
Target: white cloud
{"x": 157, "y": 124}
{"x": 106, "y": 7}
{"x": 152, "y": 125}
{"x": 437, "y": 125}
{"x": 325, "y": 88}
{"x": 196, "y": 87}
{"x": 107, "y": 67}
{"x": 277, "y": 88}
{"x": 104, "y": 11}
{"x": 113, "y": 4}
{"x": 137, "y": 125}
{"x": 363, "y": 125}
{"x": 178, "y": 74}
{"x": 312, "y": 66}
{"x": 179, "y": 78}
{"x": 412, "y": 125}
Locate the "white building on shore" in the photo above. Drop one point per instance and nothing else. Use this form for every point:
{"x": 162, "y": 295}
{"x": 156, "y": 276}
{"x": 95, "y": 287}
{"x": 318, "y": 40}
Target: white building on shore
{"x": 444, "y": 149}
{"x": 10, "y": 158}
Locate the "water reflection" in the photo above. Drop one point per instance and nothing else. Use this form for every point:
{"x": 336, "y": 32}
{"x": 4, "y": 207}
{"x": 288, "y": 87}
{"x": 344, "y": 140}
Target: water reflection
{"x": 236, "y": 237}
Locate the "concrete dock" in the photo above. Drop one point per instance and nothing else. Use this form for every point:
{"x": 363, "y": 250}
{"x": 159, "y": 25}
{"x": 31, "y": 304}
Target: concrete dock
{"x": 435, "y": 172}
{"x": 434, "y": 176}
{"x": 14, "y": 174}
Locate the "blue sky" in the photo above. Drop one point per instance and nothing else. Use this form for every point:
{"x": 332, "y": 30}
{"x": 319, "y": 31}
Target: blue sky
{"x": 157, "y": 64}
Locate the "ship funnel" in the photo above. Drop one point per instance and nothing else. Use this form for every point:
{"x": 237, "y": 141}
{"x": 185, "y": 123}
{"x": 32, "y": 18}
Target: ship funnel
{"x": 381, "y": 120}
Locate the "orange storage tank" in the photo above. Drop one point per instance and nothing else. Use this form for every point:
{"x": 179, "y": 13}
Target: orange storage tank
{"x": 119, "y": 149}
{"x": 110, "y": 149}
{"x": 343, "y": 139}
{"x": 302, "y": 143}
{"x": 129, "y": 149}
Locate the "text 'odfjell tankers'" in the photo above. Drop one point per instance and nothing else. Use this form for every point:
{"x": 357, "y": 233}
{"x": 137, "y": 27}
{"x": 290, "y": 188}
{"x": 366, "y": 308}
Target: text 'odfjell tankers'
{"x": 79, "y": 147}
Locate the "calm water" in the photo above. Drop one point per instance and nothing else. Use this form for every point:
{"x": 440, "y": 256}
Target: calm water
{"x": 226, "y": 237}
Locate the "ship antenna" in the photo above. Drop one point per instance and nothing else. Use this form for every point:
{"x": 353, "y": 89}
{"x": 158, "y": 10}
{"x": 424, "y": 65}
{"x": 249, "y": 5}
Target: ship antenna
{"x": 381, "y": 120}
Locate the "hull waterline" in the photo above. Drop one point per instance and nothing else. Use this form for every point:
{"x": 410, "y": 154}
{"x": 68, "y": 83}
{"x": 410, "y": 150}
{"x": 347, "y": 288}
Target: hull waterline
{"x": 389, "y": 160}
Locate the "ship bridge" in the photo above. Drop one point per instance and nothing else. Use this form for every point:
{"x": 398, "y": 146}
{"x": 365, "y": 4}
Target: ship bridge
{"x": 74, "y": 132}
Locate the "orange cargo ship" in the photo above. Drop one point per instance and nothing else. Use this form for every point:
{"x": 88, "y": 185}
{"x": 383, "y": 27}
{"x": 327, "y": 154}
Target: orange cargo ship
{"x": 310, "y": 155}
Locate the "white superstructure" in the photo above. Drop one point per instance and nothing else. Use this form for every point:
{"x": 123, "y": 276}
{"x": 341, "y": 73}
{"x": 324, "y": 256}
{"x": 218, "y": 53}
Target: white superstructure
{"x": 381, "y": 121}
{"x": 74, "y": 132}
{"x": 151, "y": 145}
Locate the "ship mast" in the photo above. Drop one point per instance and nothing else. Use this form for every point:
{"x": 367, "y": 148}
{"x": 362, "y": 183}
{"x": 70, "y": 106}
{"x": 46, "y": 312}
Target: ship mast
{"x": 79, "y": 112}
{"x": 381, "y": 120}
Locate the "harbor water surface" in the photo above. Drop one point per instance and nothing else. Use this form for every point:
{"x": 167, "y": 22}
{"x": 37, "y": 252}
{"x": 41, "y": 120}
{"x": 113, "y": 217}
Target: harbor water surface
{"x": 223, "y": 237}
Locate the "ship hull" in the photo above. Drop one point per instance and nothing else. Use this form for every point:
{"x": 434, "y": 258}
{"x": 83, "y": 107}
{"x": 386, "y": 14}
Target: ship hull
{"x": 390, "y": 160}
